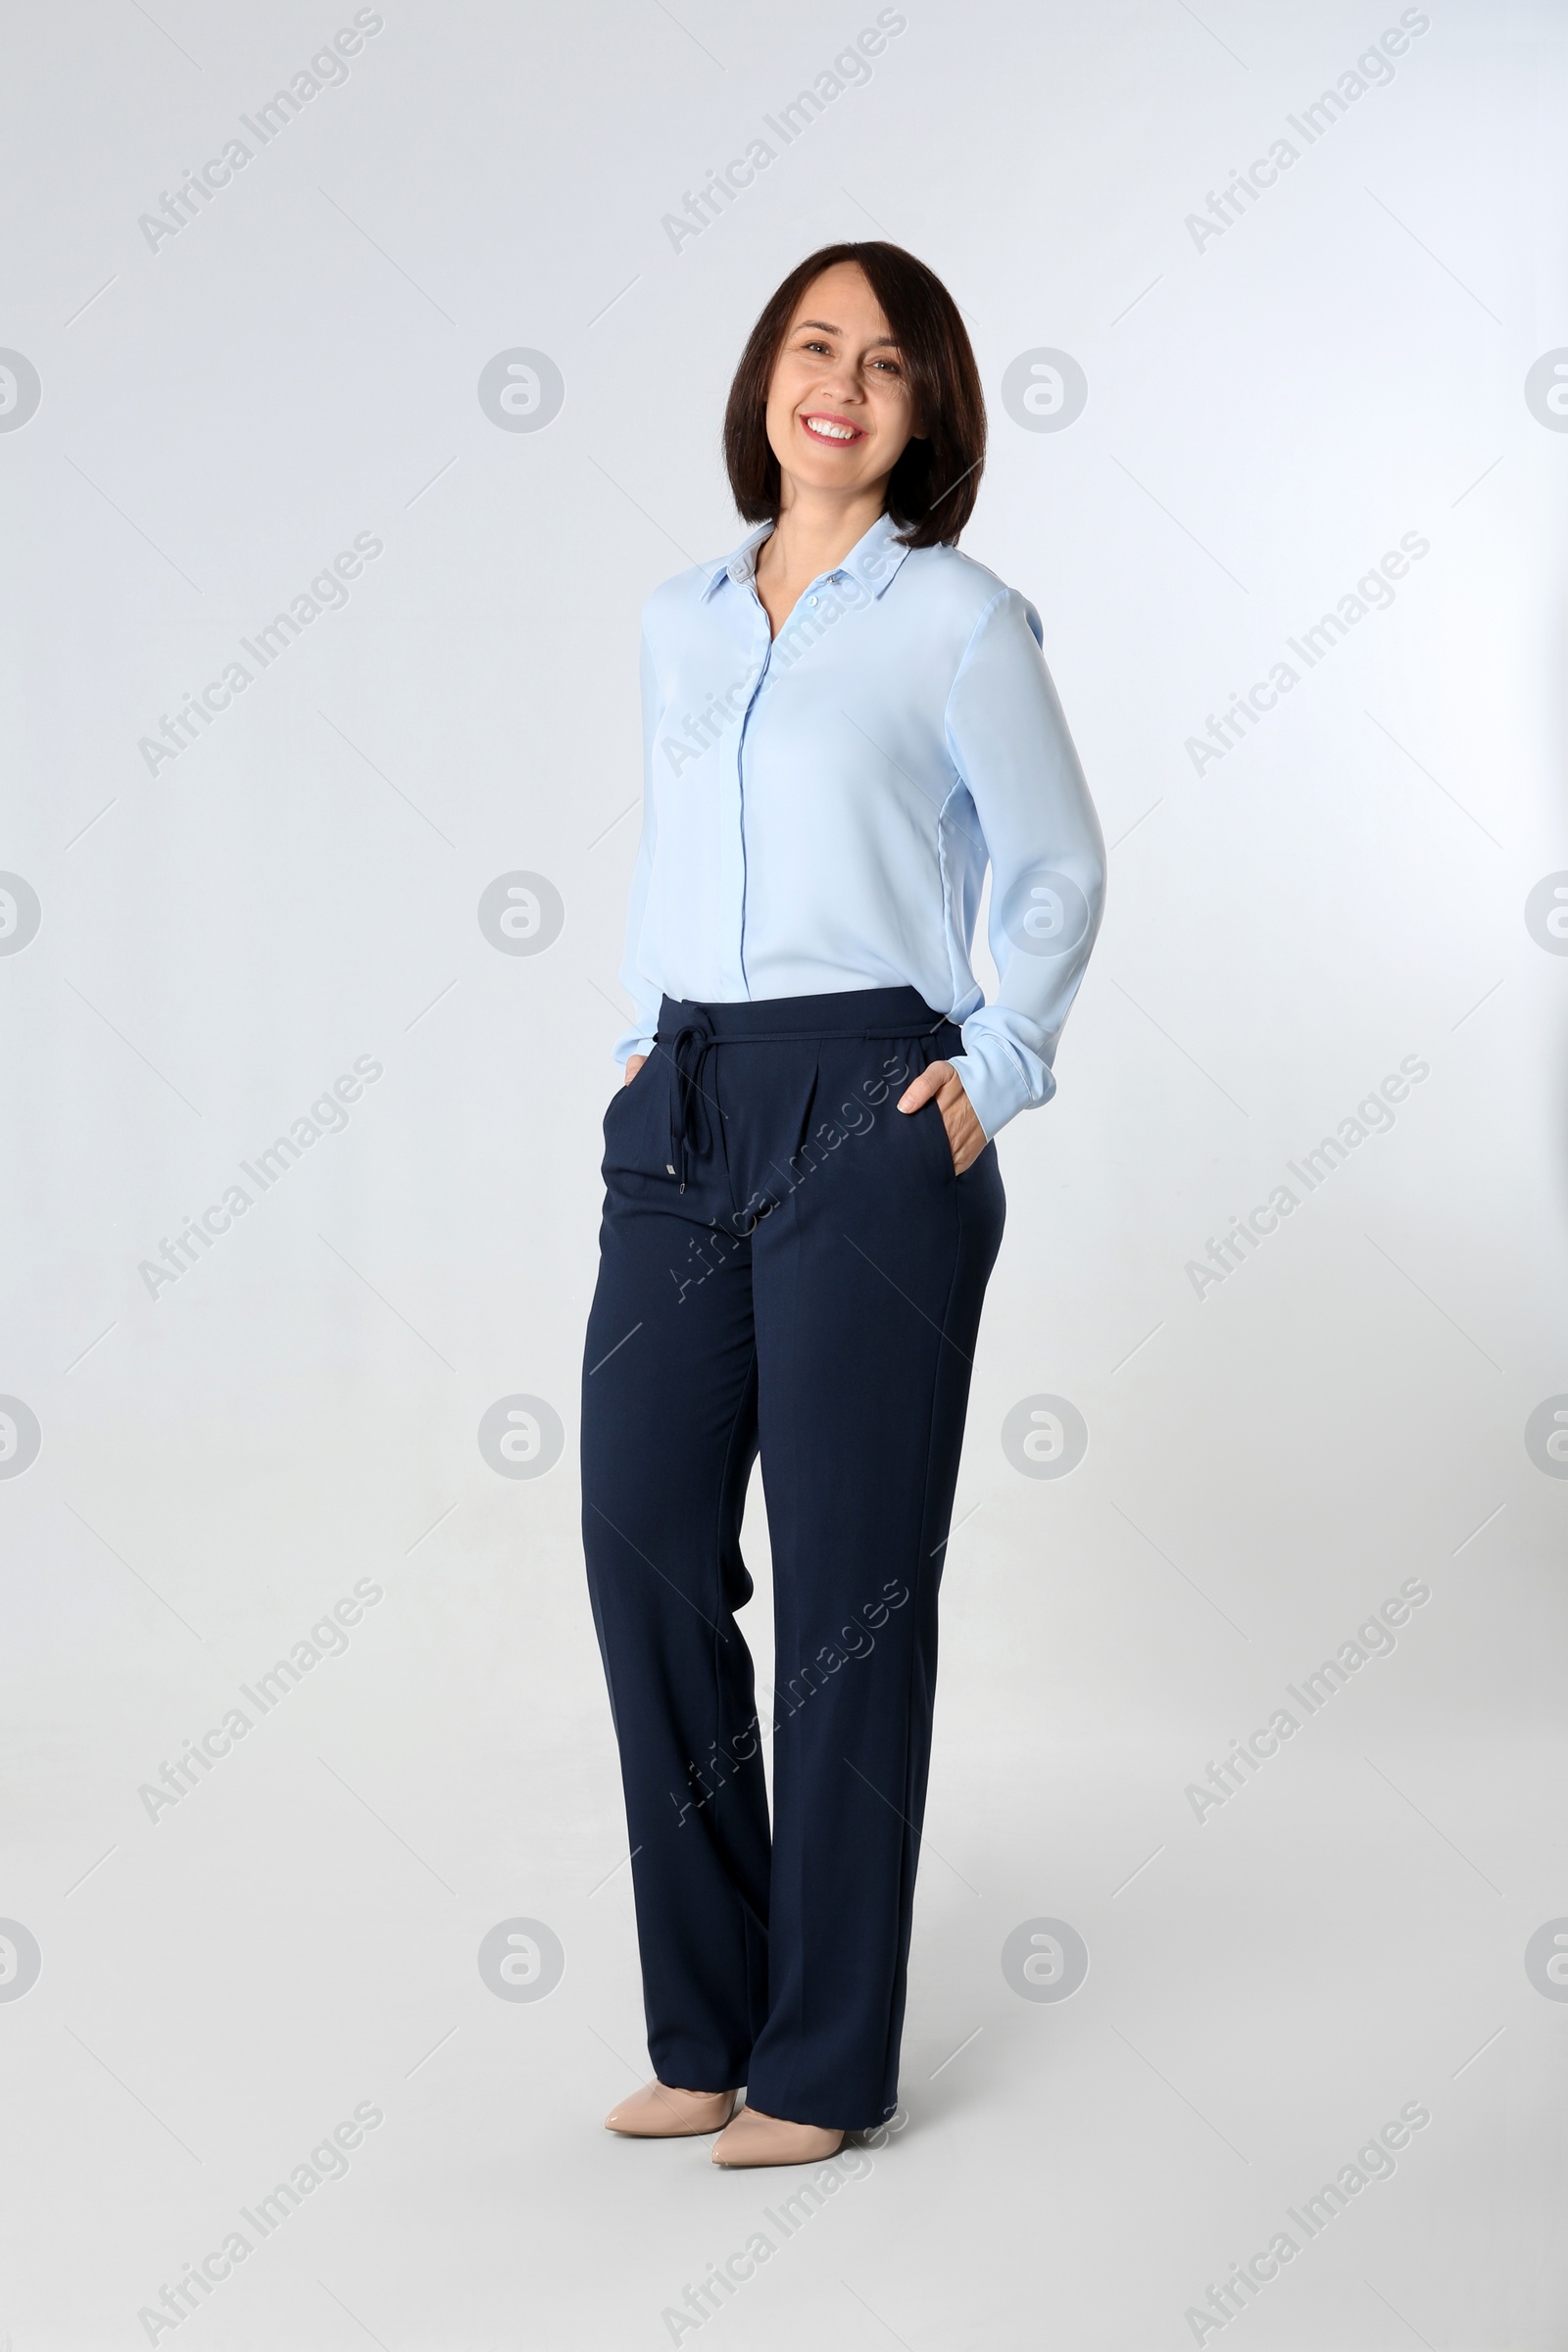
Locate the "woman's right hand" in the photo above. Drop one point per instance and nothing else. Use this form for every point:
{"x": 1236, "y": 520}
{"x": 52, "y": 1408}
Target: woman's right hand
{"x": 634, "y": 1062}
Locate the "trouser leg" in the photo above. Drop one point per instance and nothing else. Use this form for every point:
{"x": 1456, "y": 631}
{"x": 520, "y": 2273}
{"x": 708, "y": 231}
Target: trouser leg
{"x": 669, "y": 1438}
{"x": 867, "y": 1284}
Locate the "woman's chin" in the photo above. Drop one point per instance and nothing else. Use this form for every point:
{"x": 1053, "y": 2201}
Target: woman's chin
{"x": 823, "y": 470}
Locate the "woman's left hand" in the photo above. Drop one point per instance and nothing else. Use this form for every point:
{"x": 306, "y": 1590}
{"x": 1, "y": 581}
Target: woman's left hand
{"x": 967, "y": 1138}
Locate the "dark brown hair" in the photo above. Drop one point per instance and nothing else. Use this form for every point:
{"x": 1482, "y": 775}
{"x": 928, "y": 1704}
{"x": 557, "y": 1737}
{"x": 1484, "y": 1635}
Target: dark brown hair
{"x": 932, "y": 489}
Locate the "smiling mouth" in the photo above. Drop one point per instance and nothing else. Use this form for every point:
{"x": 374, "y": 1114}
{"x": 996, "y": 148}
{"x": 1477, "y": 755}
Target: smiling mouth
{"x": 832, "y": 429}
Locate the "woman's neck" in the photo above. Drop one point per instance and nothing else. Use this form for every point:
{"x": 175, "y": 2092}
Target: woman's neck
{"x": 812, "y": 536}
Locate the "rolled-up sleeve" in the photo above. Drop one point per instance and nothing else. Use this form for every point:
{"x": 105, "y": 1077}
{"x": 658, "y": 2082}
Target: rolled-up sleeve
{"x": 1009, "y": 744}
{"x": 634, "y": 979}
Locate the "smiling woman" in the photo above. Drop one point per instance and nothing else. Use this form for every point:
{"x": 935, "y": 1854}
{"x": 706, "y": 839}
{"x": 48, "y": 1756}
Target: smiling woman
{"x": 911, "y": 411}
{"x": 846, "y": 722}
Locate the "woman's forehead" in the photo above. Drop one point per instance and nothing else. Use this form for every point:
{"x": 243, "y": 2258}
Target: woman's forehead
{"x": 827, "y": 304}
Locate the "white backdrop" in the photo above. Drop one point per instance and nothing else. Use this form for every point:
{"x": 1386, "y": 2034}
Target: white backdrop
{"x": 1214, "y": 432}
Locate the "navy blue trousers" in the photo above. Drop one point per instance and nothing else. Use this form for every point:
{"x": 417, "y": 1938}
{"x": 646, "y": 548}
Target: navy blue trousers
{"x": 787, "y": 1263}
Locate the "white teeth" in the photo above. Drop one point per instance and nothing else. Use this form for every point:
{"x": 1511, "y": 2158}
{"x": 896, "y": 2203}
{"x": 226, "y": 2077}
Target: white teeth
{"x": 830, "y": 432}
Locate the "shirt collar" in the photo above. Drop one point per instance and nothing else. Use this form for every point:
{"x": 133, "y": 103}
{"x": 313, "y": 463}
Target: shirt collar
{"x": 742, "y": 564}
{"x": 872, "y": 561}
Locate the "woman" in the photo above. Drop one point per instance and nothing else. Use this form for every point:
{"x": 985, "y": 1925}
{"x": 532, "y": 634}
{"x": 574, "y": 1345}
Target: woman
{"x": 844, "y": 722}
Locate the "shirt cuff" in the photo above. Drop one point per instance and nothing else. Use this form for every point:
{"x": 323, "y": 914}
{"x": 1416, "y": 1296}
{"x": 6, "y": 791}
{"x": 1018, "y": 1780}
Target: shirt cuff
{"x": 634, "y": 1041}
{"x": 998, "y": 1085}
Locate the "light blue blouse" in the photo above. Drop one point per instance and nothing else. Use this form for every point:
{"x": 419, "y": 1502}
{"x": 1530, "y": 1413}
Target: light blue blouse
{"x": 818, "y": 810}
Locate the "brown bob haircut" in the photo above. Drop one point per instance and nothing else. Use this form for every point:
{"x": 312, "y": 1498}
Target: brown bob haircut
{"x": 932, "y": 489}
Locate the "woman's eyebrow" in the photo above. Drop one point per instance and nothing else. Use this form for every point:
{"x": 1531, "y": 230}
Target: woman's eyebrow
{"x": 877, "y": 342}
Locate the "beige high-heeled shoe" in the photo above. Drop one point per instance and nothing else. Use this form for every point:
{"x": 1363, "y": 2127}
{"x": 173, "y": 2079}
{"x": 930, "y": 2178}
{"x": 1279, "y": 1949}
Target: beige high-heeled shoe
{"x": 658, "y": 2112}
{"x": 756, "y": 2138}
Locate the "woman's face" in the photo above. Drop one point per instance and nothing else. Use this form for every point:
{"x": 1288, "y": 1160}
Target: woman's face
{"x": 839, "y": 408}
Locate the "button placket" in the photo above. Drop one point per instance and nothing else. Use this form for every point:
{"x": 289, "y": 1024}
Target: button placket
{"x": 765, "y": 640}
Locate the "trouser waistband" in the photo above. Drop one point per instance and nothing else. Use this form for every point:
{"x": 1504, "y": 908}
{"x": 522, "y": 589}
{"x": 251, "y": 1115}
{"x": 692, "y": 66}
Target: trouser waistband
{"x": 878, "y": 1013}
{"x": 688, "y": 1030}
